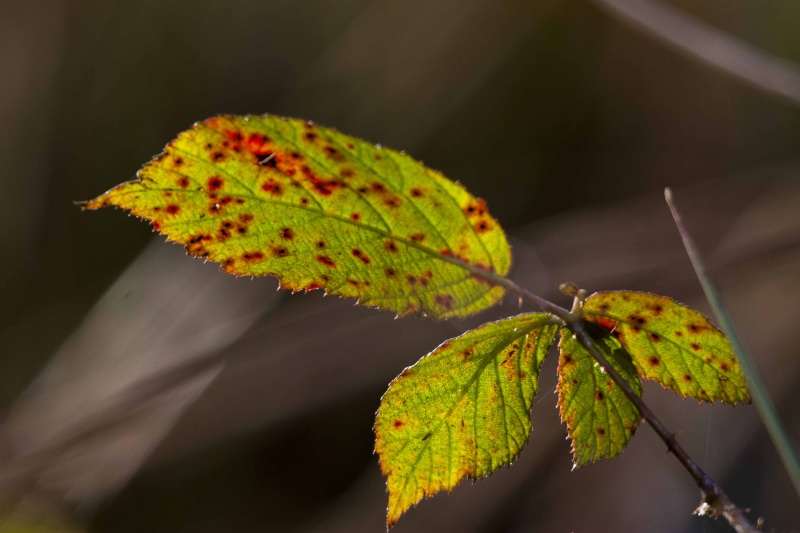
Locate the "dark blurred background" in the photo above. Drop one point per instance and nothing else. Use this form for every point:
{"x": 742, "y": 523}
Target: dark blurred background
{"x": 144, "y": 391}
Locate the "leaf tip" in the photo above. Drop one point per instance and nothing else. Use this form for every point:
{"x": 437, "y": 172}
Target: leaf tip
{"x": 91, "y": 205}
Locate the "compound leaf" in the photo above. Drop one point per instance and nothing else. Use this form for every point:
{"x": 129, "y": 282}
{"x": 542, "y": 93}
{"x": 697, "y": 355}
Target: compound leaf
{"x": 462, "y": 411}
{"x": 266, "y": 195}
{"x": 672, "y": 344}
{"x": 600, "y": 418}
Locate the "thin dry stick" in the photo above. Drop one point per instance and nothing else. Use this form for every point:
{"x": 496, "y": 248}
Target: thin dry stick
{"x": 699, "y": 41}
{"x": 764, "y": 405}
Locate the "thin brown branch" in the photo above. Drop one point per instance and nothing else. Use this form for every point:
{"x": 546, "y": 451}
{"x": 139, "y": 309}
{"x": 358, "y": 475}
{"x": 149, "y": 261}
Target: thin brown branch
{"x": 714, "y": 501}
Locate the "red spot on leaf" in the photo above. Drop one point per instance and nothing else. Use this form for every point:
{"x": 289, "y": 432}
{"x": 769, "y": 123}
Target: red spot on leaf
{"x": 601, "y": 432}
{"x": 355, "y": 216}
{"x": 214, "y": 183}
{"x": 599, "y": 395}
{"x": 324, "y": 187}
{"x": 333, "y": 153}
{"x": 605, "y": 323}
{"x": 287, "y": 233}
{"x": 416, "y": 192}
{"x": 444, "y": 300}
{"x": 695, "y": 346}
{"x": 280, "y": 251}
{"x": 390, "y": 272}
{"x": 358, "y": 254}
{"x": 636, "y": 319}
{"x": 183, "y": 182}
{"x": 217, "y": 156}
{"x": 687, "y": 378}
{"x": 235, "y": 136}
{"x": 273, "y": 188}
{"x": 391, "y": 246}
{"x": 173, "y": 209}
{"x": 417, "y": 237}
{"x": 483, "y": 226}
{"x": 478, "y": 208}
{"x": 654, "y": 360}
{"x": 253, "y": 256}
{"x": 327, "y": 261}
{"x": 397, "y": 423}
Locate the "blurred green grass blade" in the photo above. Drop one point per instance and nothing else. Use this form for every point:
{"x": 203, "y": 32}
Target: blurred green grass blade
{"x": 761, "y": 398}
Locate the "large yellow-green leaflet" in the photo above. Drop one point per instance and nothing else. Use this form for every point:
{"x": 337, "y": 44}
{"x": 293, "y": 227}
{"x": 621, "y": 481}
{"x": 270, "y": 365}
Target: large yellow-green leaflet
{"x": 672, "y": 344}
{"x": 600, "y": 418}
{"x": 266, "y": 195}
{"x": 462, "y": 411}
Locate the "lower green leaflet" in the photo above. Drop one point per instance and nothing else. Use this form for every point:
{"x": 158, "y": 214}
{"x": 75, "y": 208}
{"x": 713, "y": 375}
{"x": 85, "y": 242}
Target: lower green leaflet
{"x": 600, "y": 419}
{"x": 462, "y": 411}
